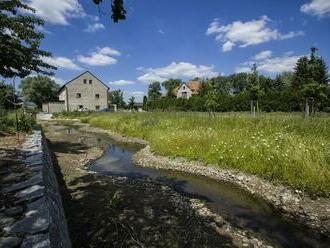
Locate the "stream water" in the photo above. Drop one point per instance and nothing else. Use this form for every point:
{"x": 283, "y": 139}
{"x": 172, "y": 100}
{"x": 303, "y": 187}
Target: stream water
{"x": 236, "y": 205}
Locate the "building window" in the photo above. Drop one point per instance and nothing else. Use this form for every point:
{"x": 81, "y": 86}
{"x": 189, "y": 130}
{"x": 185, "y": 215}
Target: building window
{"x": 184, "y": 95}
{"x": 85, "y": 81}
{"x": 183, "y": 87}
{"x": 90, "y": 81}
{"x": 97, "y": 96}
{"x": 78, "y": 95}
{"x": 97, "y": 107}
{"x": 80, "y": 106}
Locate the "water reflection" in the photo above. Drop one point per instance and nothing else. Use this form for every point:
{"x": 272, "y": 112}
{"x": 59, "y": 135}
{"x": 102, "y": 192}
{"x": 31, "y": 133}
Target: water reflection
{"x": 231, "y": 202}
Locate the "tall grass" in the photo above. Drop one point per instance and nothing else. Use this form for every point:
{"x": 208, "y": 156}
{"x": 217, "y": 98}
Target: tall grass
{"x": 279, "y": 147}
{"x": 8, "y": 123}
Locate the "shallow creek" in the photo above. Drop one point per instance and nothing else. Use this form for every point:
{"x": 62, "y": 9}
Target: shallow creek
{"x": 237, "y": 206}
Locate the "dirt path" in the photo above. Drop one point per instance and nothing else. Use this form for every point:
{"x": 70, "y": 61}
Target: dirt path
{"x": 123, "y": 212}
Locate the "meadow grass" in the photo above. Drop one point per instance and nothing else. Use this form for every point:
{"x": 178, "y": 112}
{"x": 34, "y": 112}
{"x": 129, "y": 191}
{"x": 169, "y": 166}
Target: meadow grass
{"x": 279, "y": 147}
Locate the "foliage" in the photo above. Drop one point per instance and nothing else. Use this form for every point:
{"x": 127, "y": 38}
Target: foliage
{"x": 310, "y": 82}
{"x": 19, "y": 41}
{"x": 131, "y": 102}
{"x": 7, "y": 97}
{"x": 154, "y": 91}
{"x": 25, "y": 121}
{"x": 254, "y": 86}
{"x": 170, "y": 85}
{"x": 117, "y": 8}
{"x": 39, "y": 89}
{"x": 236, "y": 92}
{"x": 116, "y": 97}
{"x": 278, "y": 147}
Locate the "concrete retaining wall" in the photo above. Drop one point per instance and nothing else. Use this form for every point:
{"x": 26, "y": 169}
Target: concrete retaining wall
{"x": 42, "y": 221}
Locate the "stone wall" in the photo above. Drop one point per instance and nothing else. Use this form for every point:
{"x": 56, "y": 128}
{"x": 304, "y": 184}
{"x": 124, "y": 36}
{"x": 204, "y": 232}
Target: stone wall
{"x": 36, "y": 219}
{"x": 53, "y": 107}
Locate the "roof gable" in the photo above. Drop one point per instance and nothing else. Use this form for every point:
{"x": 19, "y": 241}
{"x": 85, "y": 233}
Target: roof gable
{"x": 86, "y": 72}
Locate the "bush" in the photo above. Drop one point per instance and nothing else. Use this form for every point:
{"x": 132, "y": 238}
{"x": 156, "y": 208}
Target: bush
{"x": 25, "y": 121}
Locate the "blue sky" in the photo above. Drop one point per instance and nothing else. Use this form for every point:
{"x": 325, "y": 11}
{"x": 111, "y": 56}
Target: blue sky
{"x": 180, "y": 39}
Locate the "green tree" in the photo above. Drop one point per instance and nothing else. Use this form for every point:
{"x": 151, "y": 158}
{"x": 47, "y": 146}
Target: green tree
{"x": 19, "y": 41}
{"x": 131, "y": 102}
{"x": 116, "y": 97}
{"x": 254, "y": 88}
{"x": 154, "y": 91}
{"x": 117, "y": 9}
{"x": 39, "y": 89}
{"x": 7, "y": 97}
{"x": 310, "y": 81}
{"x": 170, "y": 85}
{"x": 145, "y": 102}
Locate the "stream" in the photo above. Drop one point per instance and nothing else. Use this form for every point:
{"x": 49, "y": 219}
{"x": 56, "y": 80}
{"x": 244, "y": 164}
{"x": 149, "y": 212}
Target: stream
{"x": 237, "y": 206}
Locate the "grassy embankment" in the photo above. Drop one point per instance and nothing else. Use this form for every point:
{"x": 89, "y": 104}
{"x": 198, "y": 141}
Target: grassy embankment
{"x": 279, "y": 147}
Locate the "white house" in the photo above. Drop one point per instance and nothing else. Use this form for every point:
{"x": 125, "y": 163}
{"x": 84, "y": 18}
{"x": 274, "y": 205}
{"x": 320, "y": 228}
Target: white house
{"x": 188, "y": 89}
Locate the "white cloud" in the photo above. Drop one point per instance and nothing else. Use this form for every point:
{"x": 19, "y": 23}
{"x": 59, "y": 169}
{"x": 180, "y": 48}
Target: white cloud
{"x": 278, "y": 64}
{"x": 161, "y": 31}
{"x": 176, "y": 70}
{"x": 246, "y": 33}
{"x": 121, "y": 82}
{"x": 59, "y": 11}
{"x": 91, "y": 28}
{"x": 263, "y": 55}
{"x": 60, "y": 81}
{"x": 270, "y": 65}
{"x": 61, "y": 62}
{"x": 316, "y": 7}
{"x": 137, "y": 94}
{"x": 228, "y": 46}
{"x": 100, "y": 57}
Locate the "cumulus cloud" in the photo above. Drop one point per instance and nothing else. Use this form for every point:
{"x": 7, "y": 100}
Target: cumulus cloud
{"x": 316, "y": 7}
{"x": 57, "y": 12}
{"x": 61, "y": 62}
{"x": 176, "y": 70}
{"x": 121, "y": 82}
{"x": 246, "y": 33}
{"x": 100, "y": 57}
{"x": 91, "y": 28}
{"x": 263, "y": 55}
{"x": 269, "y": 64}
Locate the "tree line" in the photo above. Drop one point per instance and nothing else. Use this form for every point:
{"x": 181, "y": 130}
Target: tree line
{"x": 305, "y": 89}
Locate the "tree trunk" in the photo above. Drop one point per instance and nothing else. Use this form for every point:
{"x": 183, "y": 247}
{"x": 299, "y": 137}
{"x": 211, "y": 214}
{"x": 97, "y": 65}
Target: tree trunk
{"x": 306, "y": 108}
{"x": 254, "y": 111}
{"x": 251, "y": 107}
{"x": 257, "y": 106}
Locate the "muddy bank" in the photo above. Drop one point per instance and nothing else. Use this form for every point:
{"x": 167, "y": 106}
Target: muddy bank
{"x": 313, "y": 213}
{"x": 126, "y": 212}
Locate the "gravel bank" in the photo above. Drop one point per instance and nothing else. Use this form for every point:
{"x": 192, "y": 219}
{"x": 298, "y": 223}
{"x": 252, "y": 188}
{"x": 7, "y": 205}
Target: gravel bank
{"x": 293, "y": 203}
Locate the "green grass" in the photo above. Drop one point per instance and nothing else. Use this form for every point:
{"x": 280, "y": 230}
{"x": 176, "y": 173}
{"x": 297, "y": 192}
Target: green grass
{"x": 279, "y": 147}
{"x": 8, "y": 124}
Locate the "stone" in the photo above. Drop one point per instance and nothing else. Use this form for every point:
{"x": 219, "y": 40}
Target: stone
{"x": 32, "y": 193}
{"x": 36, "y": 219}
{"x": 34, "y": 163}
{"x": 14, "y": 176}
{"x": 14, "y": 211}
{"x": 35, "y": 158}
{"x": 36, "y": 241}
{"x": 36, "y": 179}
{"x": 9, "y": 242}
{"x": 5, "y": 220}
